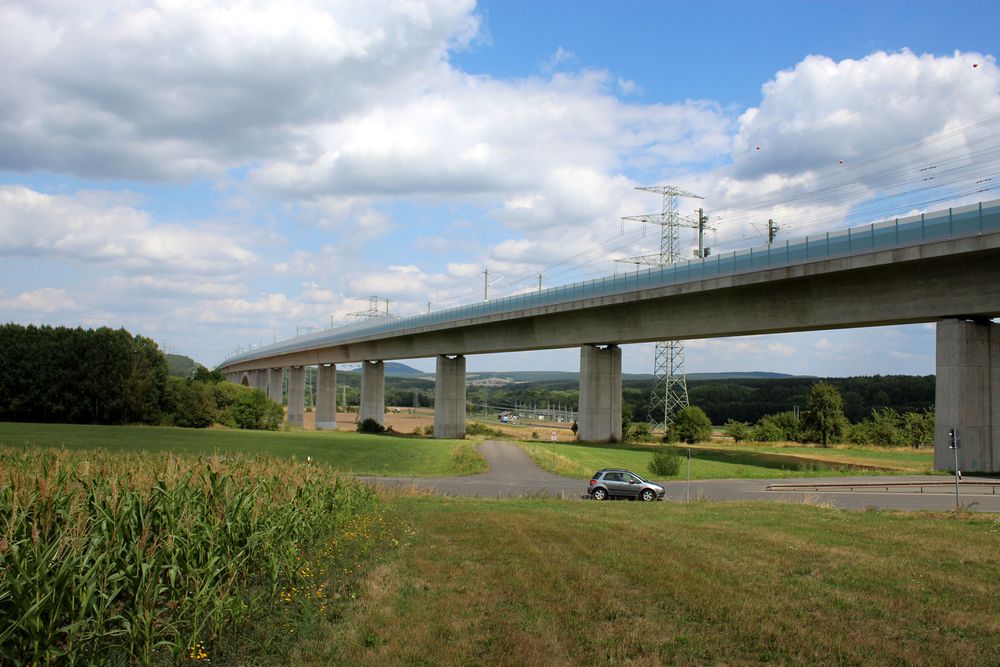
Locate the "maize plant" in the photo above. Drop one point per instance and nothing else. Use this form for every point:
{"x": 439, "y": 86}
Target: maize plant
{"x": 142, "y": 559}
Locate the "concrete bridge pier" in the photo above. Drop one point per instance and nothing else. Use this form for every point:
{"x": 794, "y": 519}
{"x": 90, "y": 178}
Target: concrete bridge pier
{"x": 600, "y": 416}
{"x": 967, "y": 395}
{"x": 275, "y": 382}
{"x": 296, "y": 395}
{"x": 326, "y": 398}
{"x": 372, "y": 391}
{"x": 449, "y": 397}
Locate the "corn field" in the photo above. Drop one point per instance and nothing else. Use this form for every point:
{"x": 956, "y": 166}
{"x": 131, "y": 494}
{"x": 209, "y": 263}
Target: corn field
{"x": 146, "y": 559}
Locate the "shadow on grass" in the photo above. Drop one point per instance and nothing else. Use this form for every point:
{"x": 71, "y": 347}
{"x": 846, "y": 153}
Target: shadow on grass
{"x": 780, "y": 461}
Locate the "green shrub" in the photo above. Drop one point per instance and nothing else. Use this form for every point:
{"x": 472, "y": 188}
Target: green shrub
{"x": 476, "y": 428}
{"x": 692, "y": 425}
{"x": 783, "y": 426}
{"x": 369, "y": 425}
{"x": 244, "y": 407}
{"x": 918, "y": 429}
{"x": 666, "y": 461}
{"x": 738, "y": 431}
{"x": 189, "y": 403}
{"x": 639, "y": 432}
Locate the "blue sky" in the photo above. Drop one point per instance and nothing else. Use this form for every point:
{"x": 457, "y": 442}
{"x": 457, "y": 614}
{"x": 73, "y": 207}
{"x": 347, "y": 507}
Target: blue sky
{"x": 221, "y": 175}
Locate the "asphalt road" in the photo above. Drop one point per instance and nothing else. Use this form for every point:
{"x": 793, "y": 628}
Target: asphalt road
{"x": 513, "y": 474}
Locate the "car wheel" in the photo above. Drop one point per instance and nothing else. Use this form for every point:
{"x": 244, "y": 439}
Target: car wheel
{"x": 647, "y": 495}
{"x": 599, "y": 494}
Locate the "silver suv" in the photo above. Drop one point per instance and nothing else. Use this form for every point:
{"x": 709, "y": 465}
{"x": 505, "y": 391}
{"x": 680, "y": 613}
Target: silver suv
{"x": 620, "y": 483}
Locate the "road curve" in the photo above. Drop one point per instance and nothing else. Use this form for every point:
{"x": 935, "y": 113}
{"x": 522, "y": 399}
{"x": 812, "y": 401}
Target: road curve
{"x": 513, "y": 474}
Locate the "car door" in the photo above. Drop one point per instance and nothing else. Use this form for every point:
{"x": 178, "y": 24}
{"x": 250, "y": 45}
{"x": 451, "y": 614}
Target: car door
{"x": 631, "y": 485}
{"x": 615, "y": 483}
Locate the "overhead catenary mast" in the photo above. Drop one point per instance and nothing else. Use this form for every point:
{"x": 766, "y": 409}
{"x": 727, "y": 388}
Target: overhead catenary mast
{"x": 669, "y": 383}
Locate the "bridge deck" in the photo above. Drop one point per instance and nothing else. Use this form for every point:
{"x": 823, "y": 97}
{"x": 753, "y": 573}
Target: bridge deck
{"x": 901, "y": 233}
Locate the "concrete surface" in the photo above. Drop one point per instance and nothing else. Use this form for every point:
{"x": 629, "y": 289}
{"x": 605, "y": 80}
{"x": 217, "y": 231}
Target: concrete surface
{"x": 372, "y": 392}
{"x": 326, "y": 397}
{"x": 600, "y": 416}
{"x": 296, "y": 395}
{"x": 449, "y": 397}
{"x": 275, "y": 385}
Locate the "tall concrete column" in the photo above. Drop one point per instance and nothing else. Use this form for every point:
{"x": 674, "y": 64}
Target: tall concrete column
{"x": 372, "y": 391}
{"x": 275, "y": 384}
{"x": 449, "y": 397}
{"x": 296, "y": 395}
{"x": 326, "y": 398}
{"x": 967, "y": 395}
{"x": 600, "y": 418}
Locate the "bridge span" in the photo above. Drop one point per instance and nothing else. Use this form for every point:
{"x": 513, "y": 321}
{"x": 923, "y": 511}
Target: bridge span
{"x": 941, "y": 267}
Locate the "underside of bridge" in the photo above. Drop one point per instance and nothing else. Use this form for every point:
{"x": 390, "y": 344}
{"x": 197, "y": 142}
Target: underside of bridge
{"x": 967, "y": 394}
{"x": 953, "y": 281}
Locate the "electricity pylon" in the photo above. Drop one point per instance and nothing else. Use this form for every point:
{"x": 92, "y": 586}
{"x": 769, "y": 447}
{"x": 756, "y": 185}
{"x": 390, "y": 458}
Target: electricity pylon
{"x": 669, "y": 383}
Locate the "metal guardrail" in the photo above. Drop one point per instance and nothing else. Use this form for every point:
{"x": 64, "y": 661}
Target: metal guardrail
{"x": 851, "y": 486}
{"x": 965, "y": 221}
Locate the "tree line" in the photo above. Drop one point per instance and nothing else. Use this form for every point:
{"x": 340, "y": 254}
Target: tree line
{"x": 108, "y": 376}
{"x": 822, "y": 421}
{"x": 742, "y": 399}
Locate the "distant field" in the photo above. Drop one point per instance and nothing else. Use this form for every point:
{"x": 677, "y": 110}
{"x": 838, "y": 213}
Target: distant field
{"x": 537, "y": 582}
{"x": 347, "y": 452}
{"x": 726, "y": 462}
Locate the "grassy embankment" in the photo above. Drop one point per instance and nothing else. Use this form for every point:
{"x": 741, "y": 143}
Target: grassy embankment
{"x": 346, "y": 452}
{"x": 534, "y": 582}
{"x": 724, "y": 462}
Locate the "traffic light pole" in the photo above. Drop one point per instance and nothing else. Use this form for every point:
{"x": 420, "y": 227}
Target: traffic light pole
{"x": 953, "y": 444}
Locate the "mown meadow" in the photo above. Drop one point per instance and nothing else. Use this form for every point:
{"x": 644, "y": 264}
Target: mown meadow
{"x": 543, "y": 582}
{"x": 733, "y": 462}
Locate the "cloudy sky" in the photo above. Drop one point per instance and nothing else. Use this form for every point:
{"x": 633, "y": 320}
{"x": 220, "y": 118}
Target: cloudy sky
{"x": 215, "y": 175}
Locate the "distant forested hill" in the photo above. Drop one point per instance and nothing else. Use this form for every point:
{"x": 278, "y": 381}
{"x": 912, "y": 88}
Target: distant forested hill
{"x": 180, "y": 366}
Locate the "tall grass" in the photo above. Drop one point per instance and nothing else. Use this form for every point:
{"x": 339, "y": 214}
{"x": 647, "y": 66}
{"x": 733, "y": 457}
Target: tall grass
{"x": 118, "y": 558}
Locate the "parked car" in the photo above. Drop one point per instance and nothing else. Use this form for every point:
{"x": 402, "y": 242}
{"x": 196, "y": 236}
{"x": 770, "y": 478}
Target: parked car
{"x": 620, "y": 483}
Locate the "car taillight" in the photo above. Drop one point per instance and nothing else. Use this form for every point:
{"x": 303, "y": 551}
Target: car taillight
{"x": 593, "y": 481}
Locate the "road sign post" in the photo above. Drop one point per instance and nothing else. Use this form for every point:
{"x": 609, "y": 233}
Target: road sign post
{"x": 954, "y": 444}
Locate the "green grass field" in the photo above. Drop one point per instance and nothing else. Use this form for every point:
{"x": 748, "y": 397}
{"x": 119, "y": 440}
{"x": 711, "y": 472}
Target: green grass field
{"x": 535, "y": 582}
{"x": 455, "y": 581}
{"x": 347, "y": 452}
{"x": 725, "y": 462}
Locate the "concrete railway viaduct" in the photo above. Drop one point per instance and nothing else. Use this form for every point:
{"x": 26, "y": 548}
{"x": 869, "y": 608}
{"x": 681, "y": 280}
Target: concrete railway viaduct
{"x": 941, "y": 267}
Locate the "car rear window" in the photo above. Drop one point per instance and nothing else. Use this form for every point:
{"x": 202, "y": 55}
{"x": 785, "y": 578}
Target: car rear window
{"x": 596, "y": 475}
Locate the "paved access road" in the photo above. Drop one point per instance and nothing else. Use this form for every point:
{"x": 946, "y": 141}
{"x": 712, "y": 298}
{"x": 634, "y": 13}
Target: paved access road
{"x": 513, "y": 474}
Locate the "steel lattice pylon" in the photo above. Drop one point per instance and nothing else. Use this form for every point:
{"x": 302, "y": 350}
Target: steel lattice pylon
{"x": 669, "y": 392}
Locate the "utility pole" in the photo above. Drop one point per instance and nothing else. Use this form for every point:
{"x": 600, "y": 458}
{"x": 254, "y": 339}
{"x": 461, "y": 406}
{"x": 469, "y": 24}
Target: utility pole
{"x": 702, "y": 251}
{"x": 539, "y": 282}
{"x": 487, "y": 283}
{"x": 772, "y": 231}
{"x": 669, "y": 382}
